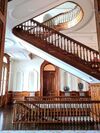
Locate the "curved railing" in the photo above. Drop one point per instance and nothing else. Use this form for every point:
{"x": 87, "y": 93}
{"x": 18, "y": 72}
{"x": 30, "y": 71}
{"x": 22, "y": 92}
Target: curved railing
{"x": 66, "y": 17}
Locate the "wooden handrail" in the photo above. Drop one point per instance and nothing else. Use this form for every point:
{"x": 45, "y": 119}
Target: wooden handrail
{"x": 57, "y": 112}
{"x": 53, "y": 31}
{"x": 43, "y": 101}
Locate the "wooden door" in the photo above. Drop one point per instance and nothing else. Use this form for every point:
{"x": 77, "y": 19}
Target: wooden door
{"x": 49, "y": 85}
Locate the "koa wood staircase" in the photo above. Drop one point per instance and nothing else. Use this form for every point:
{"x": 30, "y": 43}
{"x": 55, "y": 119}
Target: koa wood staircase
{"x": 59, "y": 45}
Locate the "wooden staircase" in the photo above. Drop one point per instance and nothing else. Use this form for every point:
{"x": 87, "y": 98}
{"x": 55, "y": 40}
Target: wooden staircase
{"x": 48, "y": 39}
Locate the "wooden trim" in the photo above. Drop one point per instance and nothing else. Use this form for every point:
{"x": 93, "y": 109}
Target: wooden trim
{"x": 17, "y": 95}
{"x": 97, "y": 18}
{"x": 3, "y": 20}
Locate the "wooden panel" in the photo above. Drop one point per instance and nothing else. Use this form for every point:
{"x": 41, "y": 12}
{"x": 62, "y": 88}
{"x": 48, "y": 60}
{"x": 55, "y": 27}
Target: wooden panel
{"x": 37, "y": 93}
{"x": 98, "y": 3}
{"x": 1, "y": 28}
{"x": 95, "y": 95}
{"x": 18, "y": 95}
{"x": 76, "y": 94}
{"x": 95, "y": 91}
{"x": 2, "y": 6}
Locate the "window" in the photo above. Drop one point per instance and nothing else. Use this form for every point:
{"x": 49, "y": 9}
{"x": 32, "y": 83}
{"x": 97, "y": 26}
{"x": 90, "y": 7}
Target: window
{"x": 4, "y": 77}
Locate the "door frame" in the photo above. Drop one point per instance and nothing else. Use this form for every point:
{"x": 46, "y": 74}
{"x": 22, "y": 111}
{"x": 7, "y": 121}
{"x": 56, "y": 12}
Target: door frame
{"x": 41, "y": 77}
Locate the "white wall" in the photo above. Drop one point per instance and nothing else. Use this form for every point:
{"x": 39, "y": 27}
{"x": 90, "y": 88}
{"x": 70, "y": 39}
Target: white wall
{"x": 25, "y": 76}
{"x": 67, "y": 79}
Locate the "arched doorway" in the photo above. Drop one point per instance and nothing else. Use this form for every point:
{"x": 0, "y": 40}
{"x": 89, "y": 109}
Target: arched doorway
{"x": 49, "y": 80}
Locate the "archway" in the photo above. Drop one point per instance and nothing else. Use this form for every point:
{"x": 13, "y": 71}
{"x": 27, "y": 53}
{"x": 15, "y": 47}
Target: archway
{"x": 49, "y": 80}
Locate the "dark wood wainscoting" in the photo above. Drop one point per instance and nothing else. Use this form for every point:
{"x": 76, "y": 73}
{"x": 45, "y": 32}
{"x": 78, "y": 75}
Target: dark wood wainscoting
{"x": 18, "y": 95}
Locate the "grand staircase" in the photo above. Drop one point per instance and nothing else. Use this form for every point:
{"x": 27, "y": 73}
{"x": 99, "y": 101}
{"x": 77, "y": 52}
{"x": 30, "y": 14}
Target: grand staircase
{"x": 46, "y": 36}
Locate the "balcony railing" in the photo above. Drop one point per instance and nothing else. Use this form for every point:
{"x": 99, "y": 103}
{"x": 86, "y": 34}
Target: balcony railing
{"x": 57, "y": 111}
{"x": 71, "y": 18}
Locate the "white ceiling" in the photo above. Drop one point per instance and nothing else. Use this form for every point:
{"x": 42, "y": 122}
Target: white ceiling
{"x": 21, "y": 10}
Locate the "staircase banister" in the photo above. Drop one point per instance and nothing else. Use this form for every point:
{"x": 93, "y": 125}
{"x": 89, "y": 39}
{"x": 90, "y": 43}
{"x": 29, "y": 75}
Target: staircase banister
{"x": 60, "y": 14}
{"x": 56, "y": 32}
{"x": 42, "y": 101}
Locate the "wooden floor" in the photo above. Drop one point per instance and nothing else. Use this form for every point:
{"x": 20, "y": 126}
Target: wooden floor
{"x": 6, "y": 124}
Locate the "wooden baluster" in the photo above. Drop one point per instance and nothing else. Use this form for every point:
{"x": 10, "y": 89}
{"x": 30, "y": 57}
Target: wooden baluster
{"x": 61, "y": 43}
{"x": 57, "y": 45}
{"x": 43, "y": 115}
{"x": 87, "y": 58}
{"x": 68, "y": 46}
{"x": 80, "y": 52}
{"x": 58, "y": 40}
{"x": 26, "y": 24}
{"x": 72, "y": 50}
{"x": 51, "y": 113}
{"x": 84, "y": 50}
{"x": 28, "y": 27}
{"x": 38, "y": 113}
{"x": 77, "y": 113}
{"x": 71, "y": 46}
{"x": 77, "y": 49}
{"x": 83, "y": 112}
{"x": 28, "y": 112}
{"x": 47, "y": 112}
{"x": 90, "y": 113}
{"x": 74, "y": 113}
{"x": 30, "y": 115}
{"x": 48, "y": 38}
{"x": 64, "y": 44}
{"x": 55, "y": 39}
{"x": 14, "y": 114}
{"x": 70, "y": 113}
{"x": 98, "y": 109}
{"x": 90, "y": 57}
